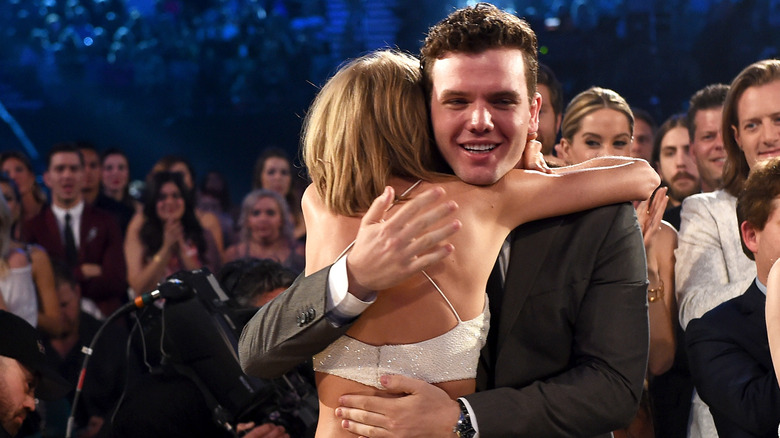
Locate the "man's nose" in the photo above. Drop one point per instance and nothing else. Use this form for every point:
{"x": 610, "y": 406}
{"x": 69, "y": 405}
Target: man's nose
{"x": 481, "y": 119}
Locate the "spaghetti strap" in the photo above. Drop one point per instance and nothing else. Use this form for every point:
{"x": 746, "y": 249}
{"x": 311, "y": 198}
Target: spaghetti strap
{"x": 436, "y": 286}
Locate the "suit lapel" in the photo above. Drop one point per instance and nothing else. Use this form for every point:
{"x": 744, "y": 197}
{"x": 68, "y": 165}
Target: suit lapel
{"x": 753, "y": 306}
{"x": 530, "y": 246}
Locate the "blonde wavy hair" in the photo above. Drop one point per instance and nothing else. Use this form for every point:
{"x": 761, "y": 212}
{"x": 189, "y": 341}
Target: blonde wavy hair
{"x": 368, "y": 123}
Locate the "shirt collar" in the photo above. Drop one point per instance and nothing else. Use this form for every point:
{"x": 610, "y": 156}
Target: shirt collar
{"x": 75, "y": 211}
{"x": 761, "y": 286}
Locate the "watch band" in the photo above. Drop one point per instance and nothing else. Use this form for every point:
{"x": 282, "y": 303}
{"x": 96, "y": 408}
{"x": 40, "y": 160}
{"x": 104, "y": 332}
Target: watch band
{"x": 463, "y": 428}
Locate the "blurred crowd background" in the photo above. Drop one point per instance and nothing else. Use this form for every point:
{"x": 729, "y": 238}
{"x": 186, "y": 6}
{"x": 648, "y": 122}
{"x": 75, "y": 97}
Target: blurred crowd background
{"x": 220, "y": 80}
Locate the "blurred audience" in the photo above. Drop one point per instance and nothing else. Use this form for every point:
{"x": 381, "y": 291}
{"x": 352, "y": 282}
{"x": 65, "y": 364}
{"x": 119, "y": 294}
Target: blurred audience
{"x": 169, "y": 237}
{"x": 273, "y": 171}
{"x": 266, "y": 231}
{"x": 49, "y": 321}
{"x": 85, "y": 238}
{"x": 19, "y": 167}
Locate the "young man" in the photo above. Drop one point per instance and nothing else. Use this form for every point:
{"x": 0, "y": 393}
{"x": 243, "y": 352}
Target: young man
{"x": 551, "y": 353}
{"x": 705, "y": 113}
{"x": 728, "y": 348}
{"x": 673, "y": 161}
{"x": 551, "y": 112}
{"x": 24, "y": 373}
{"x": 85, "y": 238}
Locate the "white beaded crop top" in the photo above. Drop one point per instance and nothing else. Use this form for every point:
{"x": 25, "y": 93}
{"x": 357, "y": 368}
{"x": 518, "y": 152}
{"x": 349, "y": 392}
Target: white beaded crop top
{"x": 450, "y": 356}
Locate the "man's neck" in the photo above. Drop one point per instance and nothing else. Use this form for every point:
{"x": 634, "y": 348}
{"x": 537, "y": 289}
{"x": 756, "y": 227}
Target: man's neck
{"x": 710, "y": 186}
{"x": 67, "y": 204}
{"x": 90, "y": 195}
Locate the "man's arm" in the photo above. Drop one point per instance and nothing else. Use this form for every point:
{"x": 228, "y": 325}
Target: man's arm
{"x": 702, "y": 275}
{"x": 728, "y": 377}
{"x": 310, "y": 315}
{"x": 600, "y": 391}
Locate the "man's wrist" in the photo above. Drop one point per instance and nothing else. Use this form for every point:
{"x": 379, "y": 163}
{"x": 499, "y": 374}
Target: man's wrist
{"x": 463, "y": 428}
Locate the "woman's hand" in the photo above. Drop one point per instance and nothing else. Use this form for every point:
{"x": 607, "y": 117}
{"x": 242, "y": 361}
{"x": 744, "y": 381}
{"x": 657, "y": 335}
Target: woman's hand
{"x": 532, "y": 158}
{"x": 173, "y": 234}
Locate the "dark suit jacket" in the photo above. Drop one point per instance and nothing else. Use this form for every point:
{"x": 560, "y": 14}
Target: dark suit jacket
{"x": 572, "y": 333}
{"x": 732, "y": 369}
{"x": 100, "y": 242}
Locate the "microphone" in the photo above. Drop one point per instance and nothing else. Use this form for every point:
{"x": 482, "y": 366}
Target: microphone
{"x": 172, "y": 289}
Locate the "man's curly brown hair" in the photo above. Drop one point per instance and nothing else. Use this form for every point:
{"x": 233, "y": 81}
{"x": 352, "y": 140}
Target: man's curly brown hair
{"x": 475, "y": 30}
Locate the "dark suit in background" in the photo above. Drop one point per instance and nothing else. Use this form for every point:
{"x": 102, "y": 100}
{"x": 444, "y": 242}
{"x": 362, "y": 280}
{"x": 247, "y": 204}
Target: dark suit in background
{"x": 567, "y": 350}
{"x": 100, "y": 242}
{"x": 732, "y": 369}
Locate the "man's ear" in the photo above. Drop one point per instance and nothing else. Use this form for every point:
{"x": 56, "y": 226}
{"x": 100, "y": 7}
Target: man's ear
{"x": 536, "y": 106}
{"x": 736, "y": 135}
{"x": 750, "y": 236}
{"x": 47, "y": 179}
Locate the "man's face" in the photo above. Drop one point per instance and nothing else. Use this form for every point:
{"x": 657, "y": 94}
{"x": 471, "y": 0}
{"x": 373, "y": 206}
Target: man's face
{"x": 70, "y": 300}
{"x": 707, "y": 147}
{"x": 643, "y": 141}
{"x": 17, "y": 394}
{"x": 765, "y": 244}
{"x": 758, "y": 130}
{"x": 92, "y": 170}
{"x": 65, "y": 178}
{"x": 481, "y": 113}
{"x": 676, "y": 166}
{"x": 549, "y": 122}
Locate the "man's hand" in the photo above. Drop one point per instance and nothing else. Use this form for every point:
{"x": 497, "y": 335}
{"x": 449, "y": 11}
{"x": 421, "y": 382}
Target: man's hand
{"x": 89, "y": 270}
{"x": 267, "y": 430}
{"x": 388, "y": 251}
{"x": 419, "y": 410}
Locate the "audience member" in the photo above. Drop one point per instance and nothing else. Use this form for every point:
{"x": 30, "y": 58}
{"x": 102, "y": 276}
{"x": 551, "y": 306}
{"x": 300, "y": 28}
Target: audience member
{"x": 551, "y": 90}
{"x": 177, "y": 164}
{"x": 18, "y": 166}
{"x": 257, "y": 281}
{"x": 273, "y": 171}
{"x": 705, "y": 113}
{"x": 93, "y": 171}
{"x": 673, "y": 160}
{"x": 170, "y": 238}
{"x": 85, "y": 238}
{"x": 214, "y": 197}
{"x": 594, "y": 125}
{"x": 644, "y": 130}
{"x": 573, "y": 371}
{"x": 711, "y": 267}
{"x": 115, "y": 177}
{"x": 267, "y": 231}
{"x": 16, "y": 280}
{"x": 728, "y": 347}
{"x": 105, "y": 377}
{"x": 24, "y": 373}
{"x": 599, "y": 121}
{"x": 49, "y": 321}
{"x": 671, "y": 392}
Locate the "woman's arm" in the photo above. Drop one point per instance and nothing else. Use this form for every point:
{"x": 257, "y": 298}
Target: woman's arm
{"x": 660, "y": 242}
{"x": 49, "y": 315}
{"x": 528, "y": 196}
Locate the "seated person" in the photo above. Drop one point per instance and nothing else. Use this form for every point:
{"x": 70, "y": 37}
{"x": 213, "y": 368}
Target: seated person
{"x": 727, "y": 347}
